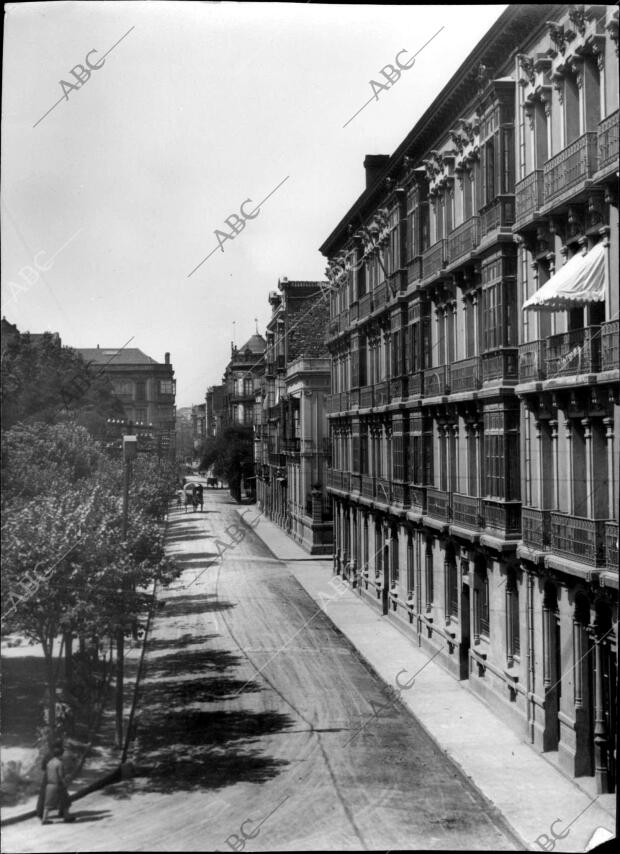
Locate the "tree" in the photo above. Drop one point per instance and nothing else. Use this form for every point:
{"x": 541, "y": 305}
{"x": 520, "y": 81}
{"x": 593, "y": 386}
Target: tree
{"x": 67, "y": 569}
{"x": 44, "y": 381}
{"x": 231, "y": 454}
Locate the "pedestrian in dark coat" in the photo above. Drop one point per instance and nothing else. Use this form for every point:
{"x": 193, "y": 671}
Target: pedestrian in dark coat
{"x": 200, "y": 492}
{"x": 56, "y": 793}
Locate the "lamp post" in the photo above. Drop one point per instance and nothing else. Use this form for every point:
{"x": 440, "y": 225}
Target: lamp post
{"x": 130, "y": 448}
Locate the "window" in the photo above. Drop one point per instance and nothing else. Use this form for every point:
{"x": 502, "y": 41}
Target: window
{"x": 410, "y": 565}
{"x": 513, "y": 639}
{"x": 141, "y": 390}
{"x": 481, "y": 601}
{"x": 166, "y": 386}
{"x": 452, "y": 585}
{"x": 141, "y": 416}
{"x": 429, "y": 579}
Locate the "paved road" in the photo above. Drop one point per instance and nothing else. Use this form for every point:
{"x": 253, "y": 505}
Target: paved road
{"x": 256, "y": 716}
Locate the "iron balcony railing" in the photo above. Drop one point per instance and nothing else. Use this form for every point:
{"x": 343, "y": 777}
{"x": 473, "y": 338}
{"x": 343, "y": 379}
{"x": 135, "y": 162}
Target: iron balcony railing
{"x": 366, "y": 397}
{"x": 500, "y": 365}
{"x": 578, "y": 538}
{"x": 462, "y": 240}
{"x": 610, "y": 355}
{"x": 574, "y": 352}
{"x": 608, "y": 141}
{"x": 500, "y": 213}
{"x": 438, "y": 504}
{"x": 368, "y": 486}
{"x": 571, "y": 167}
{"x": 417, "y": 498}
{"x": 465, "y": 375}
{"x": 434, "y": 259}
{"x": 532, "y": 361}
{"x": 414, "y": 269}
{"x": 365, "y": 306}
{"x": 467, "y": 511}
{"x": 436, "y": 381}
{"x": 400, "y": 494}
{"x": 383, "y": 490}
{"x": 536, "y": 528}
{"x": 529, "y": 198}
{"x": 382, "y": 393}
{"x": 503, "y": 516}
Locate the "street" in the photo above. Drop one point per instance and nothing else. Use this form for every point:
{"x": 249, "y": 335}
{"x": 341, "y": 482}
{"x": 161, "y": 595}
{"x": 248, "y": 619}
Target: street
{"x": 257, "y": 726}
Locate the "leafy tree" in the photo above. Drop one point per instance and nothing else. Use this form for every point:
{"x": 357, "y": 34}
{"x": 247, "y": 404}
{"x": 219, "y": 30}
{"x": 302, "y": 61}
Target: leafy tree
{"x": 44, "y": 381}
{"x": 67, "y": 567}
{"x": 231, "y": 455}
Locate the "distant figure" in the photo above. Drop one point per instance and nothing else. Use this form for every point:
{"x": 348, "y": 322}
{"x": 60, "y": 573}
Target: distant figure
{"x": 56, "y": 795}
{"x": 179, "y": 497}
{"x": 194, "y": 497}
{"x": 200, "y": 494}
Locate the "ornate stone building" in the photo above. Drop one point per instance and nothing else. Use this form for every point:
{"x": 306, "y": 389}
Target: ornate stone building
{"x": 472, "y": 417}
{"x": 291, "y": 431}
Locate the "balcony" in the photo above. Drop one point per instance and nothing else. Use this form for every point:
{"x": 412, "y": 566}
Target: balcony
{"x": 417, "y": 498}
{"x": 383, "y": 490}
{"x": 500, "y": 213}
{"x": 500, "y": 365}
{"x": 462, "y": 240}
{"x": 574, "y": 352}
{"x": 529, "y": 199}
{"x": 536, "y": 528}
{"x": 414, "y": 269}
{"x": 611, "y": 545}
{"x": 434, "y": 259}
{"x": 400, "y": 494}
{"x": 608, "y": 142}
{"x": 438, "y": 504}
{"x": 436, "y": 381}
{"x": 610, "y": 355}
{"x": 465, "y": 375}
{"x": 578, "y": 539}
{"x": 368, "y": 486}
{"x": 467, "y": 511}
{"x": 566, "y": 173}
{"x": 343, "y": 321}
{"x": 353, "y": 312}
{"x": 380, "y": 297}
{"x": 399, "y": 388}
{"x": 354, "y": 398}
{"x": 355, "y": 481}
{"x": 382, "y": 393}
{"x": 366, "y": 397}
{"x": 503, "y": 516}
{"x": 365, "y": 306}
{"x": 532, "y": 361}
{"x": 416, "y": 384}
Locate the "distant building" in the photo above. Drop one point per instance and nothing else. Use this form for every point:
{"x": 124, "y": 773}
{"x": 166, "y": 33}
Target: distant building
{"x": 291, "y": 430}
{"x": 145, "y": 387}
{"x": 240, "y": 376}
{"x": 199, "y": 424}
{"x": 215, "y": 410}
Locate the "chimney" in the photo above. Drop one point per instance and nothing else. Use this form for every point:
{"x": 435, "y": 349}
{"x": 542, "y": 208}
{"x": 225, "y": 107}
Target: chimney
{"x": 373, "y": 164}
{"x": 167, "y": 358}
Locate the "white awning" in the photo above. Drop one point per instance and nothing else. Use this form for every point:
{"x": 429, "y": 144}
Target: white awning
{"x": 580, "y": 281}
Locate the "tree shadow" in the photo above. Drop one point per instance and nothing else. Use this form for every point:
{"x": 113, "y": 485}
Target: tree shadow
{"x": 83, "y": 816}
{"x": 181, "y": 606}
{"x": 184, "y": 692}
{"x": 182, "y": 642}
{"x": 192, "y": 661}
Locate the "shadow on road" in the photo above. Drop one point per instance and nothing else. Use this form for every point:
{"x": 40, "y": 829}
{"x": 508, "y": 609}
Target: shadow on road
{"x": 181, "y": 606}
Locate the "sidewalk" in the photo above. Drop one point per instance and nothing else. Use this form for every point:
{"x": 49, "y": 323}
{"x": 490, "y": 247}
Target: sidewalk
{"x": 529, "y": 792}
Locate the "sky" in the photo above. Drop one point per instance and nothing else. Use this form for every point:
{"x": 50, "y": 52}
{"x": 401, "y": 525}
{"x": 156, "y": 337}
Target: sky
{"x": 118, "y": 181}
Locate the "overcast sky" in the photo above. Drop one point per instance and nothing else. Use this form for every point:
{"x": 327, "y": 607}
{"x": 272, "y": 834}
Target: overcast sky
{"x": 115, "y": 195}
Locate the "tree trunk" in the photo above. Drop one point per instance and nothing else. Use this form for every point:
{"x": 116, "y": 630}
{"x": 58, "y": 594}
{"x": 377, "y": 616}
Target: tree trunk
{"x": 69, "y": 660}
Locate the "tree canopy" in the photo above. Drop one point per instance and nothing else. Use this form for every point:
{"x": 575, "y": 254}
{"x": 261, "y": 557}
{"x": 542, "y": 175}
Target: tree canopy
{"x": 231, "y": 455}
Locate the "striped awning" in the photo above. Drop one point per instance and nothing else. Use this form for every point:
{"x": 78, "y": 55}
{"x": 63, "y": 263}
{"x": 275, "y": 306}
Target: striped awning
{"x": 579, "y": 282}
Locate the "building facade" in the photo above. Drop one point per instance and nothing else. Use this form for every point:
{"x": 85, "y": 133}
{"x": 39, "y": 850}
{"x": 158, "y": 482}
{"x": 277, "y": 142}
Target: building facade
{"x": 199, "y": 425}
{"x": 146, "y": 389}
{"x": 291, "y": 430}
{"x": 473, "y": 414}
{"x": 240, "y": 381}
{"x": 214, "y": 410}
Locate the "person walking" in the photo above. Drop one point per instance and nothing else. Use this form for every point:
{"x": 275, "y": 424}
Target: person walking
{"x": 56, "y": 795}
{"x": 200, "y": 494}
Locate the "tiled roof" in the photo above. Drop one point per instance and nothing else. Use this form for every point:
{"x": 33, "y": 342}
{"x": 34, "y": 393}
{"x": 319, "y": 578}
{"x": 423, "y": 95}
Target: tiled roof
{"x": 256, "y": 344}
{"x": 116, "y": 356}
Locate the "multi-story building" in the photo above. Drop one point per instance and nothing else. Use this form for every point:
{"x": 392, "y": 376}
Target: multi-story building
{"x": 215, "y": 410}
{"x": 240, "y": 379}
{"x": 291, "y": 431}
{"x": 145, "y": 387}
{"x": 474, "y": 339}
{"x": 199, "y": 424}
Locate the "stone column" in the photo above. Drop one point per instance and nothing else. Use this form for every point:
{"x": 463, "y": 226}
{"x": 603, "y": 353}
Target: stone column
{"x": 611, "y": 469}
{"x": 553, "y": 424}
{"x": 600, "y": 726}
{"x": 587, "y": 435}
